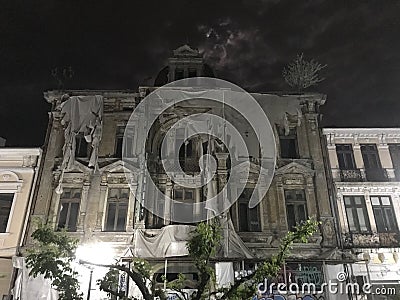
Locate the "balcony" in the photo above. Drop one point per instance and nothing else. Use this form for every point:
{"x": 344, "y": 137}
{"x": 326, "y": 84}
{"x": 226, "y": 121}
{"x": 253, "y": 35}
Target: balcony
{"x": 377, "y": 174}
{"x": 371, "y": 240}
{"x": 351, "y": 175}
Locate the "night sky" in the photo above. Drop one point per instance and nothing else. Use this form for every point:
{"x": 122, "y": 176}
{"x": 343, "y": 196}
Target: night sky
{"x": 120, "y": 44}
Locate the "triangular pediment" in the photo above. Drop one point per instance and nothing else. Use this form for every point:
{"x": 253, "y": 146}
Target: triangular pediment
{"x": 115, "y": 167}
{"x": 294, "y": 168}
{"x": 186, "y": 50}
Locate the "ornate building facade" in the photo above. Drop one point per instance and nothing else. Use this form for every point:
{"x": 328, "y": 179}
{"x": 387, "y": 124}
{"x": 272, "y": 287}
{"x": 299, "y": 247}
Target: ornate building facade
{"x": 84, "y": 187}
{"x": 18, "y": 174}
{"x": 365, "y": 164}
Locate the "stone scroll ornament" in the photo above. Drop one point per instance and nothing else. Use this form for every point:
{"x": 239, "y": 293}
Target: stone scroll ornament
{"x": 222, "y": 119}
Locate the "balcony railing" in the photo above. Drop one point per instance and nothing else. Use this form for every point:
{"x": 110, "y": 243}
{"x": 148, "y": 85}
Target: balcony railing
{"x": 371, "y": 240}
{"x": 377, "y": 174}
{"x": 351, "y": 175}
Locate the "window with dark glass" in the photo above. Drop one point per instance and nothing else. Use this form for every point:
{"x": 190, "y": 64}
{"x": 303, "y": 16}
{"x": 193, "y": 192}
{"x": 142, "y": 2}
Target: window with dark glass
{"x": 249, "y": 218}
{"x": 69, "y": 209}
{"x": 288, "y": 143}
{"x": 182, "y": 194}
{"x": 119, "y": 141}
{"x": 370, "y": 156}
{"x": 296, "y": 207}
{"x": 6, "y": 200}
{"x": 356, "y": 213}
{"x": 345, "y": 157}
{"x": 384, "y": 214}
{"x": 117, "y": 209}
{"x": 81, "y": 146}
{"x": 192, "y": 73}
{"x": 179, "y": 74}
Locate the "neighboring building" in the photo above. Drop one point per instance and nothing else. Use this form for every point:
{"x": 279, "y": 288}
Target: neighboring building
{"x": 365, "y": 164}
{"x": 84, "y": 188}
{"x": 18, "y": 174}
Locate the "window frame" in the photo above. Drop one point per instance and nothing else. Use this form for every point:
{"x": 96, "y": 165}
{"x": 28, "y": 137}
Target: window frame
{"x": 248, "y": 227}
{"x": 11, "y": 211}
{"x": 79, "y": 137}
{"x": 117, "y": 209}
{"x": 353, "y": 206}
{"x": 296, "y": 203}
{"x": 292, "y": 136}
{"x": 70, "y": 201}
{"x": 383, "y": 208}
{"x": 347, "y": 155}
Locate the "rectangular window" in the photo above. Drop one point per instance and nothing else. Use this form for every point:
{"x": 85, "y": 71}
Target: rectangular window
{"x": 81, "y": 146}
{"x": 192, "y": 73}
{"x": 249, "y": 218}
{"x": 6, "y": 200}
{"x": 345, "y": 157}
{"x": 296, "y": 207}
{"x": 69, "y": 209}
{"x": 119, "y": 142}
{"x": 117, "y": 209}
{"x": 356, "y": 212}
{"x": 384, "y": 214}
{"x": 370, "y": 156}
{"x": 288, "y": 143}
{"x": 179, "y": 74}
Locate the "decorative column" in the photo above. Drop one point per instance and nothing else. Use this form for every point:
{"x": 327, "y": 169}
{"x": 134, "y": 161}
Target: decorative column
{"x": 167, "y": 206}
{"x": 370, "y": 211}
{"x": 102, "y": 203}
{"x": 385, "y": 158}
{"x": 358, "y": 157}
{"x": 83, "y": 207}
{"x": 132, "y": 207}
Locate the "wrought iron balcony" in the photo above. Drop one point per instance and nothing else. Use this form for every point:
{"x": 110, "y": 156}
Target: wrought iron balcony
{"x": 371, "y": 240}
{"x": 351, "y": 175}
{"x": 377, "y": 174}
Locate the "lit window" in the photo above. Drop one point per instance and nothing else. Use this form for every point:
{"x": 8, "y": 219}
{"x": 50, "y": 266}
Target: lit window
{"x": 6, "y": 200}
{"x": 117, "y": 209}
{"x": 69, "y": 209}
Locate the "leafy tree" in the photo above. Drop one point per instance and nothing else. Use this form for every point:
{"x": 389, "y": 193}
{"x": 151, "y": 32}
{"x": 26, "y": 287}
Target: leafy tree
{"x": 301, "y": 73}
{"x": 204, "y": 244}
{"x": 51, "y": 256}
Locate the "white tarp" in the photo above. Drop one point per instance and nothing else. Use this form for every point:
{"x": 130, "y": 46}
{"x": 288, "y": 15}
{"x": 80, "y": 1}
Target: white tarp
{"x": 29, "y": 288}
{"x": 224, "y": 274}
{"x": 170, "y": 241}
{"x": 82, "y": 114}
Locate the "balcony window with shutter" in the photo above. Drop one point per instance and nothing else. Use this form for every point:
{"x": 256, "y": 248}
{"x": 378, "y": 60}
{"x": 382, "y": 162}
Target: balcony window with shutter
{"x": 69, "y": 209}
{"x": 296, "y": 207}
{"x": 384, "y": 214}
{"x": 356, "y": 213}
{"x": 117, "y": 209}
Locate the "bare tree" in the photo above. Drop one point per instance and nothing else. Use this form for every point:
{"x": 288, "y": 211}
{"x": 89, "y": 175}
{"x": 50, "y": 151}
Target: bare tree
{"x": 301, "y": 73}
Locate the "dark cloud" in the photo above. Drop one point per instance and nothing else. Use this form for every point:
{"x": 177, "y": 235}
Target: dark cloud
{"x": 117, "y": 45}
